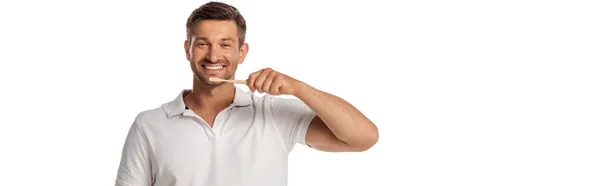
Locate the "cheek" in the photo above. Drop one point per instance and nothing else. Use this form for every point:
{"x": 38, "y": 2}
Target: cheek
{"x": 228, "y": 54}
{"x": 197, "y": 55}
{"x": 231, "y": 56}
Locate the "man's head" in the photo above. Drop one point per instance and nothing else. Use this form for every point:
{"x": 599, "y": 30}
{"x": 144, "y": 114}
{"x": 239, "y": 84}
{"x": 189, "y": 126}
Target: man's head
{"x": 215, "y": 42}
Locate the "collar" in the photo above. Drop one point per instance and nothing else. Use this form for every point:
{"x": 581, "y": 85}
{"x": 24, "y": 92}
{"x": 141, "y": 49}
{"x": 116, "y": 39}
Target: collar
{"x": 177, "y": 106}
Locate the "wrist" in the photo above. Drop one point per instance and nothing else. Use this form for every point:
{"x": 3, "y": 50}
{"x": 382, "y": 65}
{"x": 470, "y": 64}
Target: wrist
{"x": 301, "y": 89}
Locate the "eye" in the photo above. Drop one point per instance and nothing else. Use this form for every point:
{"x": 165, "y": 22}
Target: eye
{"x": 201, "y": 44}
{"x": 225, "y": 45}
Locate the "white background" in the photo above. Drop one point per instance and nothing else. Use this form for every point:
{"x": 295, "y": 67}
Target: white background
{"x": 463, "y": 92}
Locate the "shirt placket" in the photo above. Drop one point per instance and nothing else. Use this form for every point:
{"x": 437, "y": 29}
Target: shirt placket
{"x": 210, "y": 134}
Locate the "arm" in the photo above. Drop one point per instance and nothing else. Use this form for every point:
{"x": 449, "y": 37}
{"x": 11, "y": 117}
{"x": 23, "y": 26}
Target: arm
{"x": 338, "y": 126}
{"x": 134, "y": 168}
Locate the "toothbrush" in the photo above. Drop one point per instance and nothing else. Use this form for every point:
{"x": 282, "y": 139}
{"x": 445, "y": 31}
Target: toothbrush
{"x": 226, "y": 80}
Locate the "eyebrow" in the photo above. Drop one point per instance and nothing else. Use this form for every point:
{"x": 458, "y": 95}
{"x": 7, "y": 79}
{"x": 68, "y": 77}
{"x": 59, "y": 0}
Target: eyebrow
{"x": 224, "y": 39}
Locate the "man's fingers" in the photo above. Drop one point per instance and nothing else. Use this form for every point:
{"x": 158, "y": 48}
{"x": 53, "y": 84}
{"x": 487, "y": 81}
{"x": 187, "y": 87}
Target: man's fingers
{"x": 267, "y": 83}
{"x": 252, "y": 79}
{"x": 277, "y": 83}
{"x": 260, "y": 79}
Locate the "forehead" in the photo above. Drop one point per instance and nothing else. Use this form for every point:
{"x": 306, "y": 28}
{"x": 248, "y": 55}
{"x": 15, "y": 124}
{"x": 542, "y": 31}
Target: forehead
{"x": 216, "y": 29}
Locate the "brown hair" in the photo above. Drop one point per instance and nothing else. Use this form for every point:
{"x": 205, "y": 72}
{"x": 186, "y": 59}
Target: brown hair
{"x": 216, "y": 11}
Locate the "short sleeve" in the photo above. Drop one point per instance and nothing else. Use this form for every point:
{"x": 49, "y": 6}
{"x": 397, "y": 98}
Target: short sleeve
{"x": 134, "y": 168}
{"x": 292, "y": 118}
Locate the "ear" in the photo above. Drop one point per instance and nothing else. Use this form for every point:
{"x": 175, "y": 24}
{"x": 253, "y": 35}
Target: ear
{"x": 243, "y": 53}
{"x": 186, "y": 46}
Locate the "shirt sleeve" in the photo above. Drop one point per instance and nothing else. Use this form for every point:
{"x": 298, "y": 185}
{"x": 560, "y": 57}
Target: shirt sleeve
{"x": 292, "y": 118}
{"x": 135, "y": 167}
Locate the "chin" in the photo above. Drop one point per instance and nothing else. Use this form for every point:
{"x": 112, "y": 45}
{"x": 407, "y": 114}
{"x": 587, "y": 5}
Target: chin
{"x": 203, "y": 78}
{"x": 206, "y": 82}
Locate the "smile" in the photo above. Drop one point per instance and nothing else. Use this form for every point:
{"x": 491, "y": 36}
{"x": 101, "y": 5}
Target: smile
{"x": 213, "y": 67}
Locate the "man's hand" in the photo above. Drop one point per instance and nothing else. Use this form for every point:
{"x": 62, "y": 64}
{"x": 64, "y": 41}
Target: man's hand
{"x": 338, "y": 126}
{"x": 272, "y": 82}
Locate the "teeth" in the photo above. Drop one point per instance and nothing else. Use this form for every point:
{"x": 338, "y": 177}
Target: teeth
{"x": 213, "y": 67}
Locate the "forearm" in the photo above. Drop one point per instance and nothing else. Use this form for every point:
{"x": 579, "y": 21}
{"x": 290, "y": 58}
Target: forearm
{"x": 345, "y": 121}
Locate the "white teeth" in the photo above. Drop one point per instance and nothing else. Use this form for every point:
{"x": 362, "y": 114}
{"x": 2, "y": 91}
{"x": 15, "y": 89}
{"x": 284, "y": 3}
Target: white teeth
{"x": 213, "y": 67}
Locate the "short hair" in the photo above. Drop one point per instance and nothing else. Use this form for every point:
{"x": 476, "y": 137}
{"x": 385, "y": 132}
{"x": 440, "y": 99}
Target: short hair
{"x": 216, "y": 11}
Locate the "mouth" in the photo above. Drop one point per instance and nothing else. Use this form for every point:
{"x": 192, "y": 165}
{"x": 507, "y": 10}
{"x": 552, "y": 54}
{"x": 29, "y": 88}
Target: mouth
{"x": 213, "y": 67}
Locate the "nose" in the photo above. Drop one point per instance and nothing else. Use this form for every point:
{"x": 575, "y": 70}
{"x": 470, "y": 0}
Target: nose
{"x": 213, "y": 55}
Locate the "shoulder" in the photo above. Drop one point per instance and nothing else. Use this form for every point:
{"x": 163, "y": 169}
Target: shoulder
{"x": 285, "y": 101}
{"x": 277, "y": 101}
{"x": 149, "y": 117}
{"x": 285, "y": 105}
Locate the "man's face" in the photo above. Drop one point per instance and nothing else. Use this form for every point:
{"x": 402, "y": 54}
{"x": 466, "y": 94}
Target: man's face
{"x": 214, "y": 51}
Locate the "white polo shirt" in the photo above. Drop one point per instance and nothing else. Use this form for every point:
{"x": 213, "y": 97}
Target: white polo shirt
{"x": 248, "y": 144}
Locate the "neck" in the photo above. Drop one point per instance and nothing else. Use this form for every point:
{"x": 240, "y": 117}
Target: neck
{"x": 210, "y": 98}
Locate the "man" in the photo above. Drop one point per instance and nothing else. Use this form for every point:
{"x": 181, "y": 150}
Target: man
{"x": 219, "y": 135}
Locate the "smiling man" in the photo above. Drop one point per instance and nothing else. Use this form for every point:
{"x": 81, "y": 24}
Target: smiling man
{"x": 219, "y": 135}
